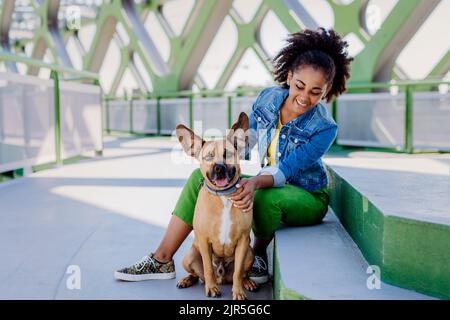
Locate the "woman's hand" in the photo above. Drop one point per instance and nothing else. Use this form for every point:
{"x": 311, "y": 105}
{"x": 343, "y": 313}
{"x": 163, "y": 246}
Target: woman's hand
{"x": 244, "y": 197}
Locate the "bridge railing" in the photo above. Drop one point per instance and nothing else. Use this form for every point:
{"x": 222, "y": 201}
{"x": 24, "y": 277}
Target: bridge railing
{"x": 46, "y": 121}
{"x": 406, "y": 116}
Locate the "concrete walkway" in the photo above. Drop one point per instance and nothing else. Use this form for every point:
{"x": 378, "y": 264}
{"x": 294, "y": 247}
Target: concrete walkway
{"x": 95, "y": 216}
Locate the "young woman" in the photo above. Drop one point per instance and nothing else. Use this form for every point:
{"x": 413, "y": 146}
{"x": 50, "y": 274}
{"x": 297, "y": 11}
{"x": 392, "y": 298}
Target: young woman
{"x": 293, "y": 131}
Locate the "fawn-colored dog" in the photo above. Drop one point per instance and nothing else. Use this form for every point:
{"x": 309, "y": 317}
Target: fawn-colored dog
{"x": 221, "y": 251}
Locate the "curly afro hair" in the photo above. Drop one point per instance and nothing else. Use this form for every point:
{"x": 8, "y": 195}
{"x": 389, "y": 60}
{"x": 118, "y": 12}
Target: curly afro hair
{"x": 322, "y": 49}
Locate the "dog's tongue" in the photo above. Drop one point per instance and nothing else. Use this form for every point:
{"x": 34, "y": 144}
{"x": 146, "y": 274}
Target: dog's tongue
{"x": 221, "y": 182}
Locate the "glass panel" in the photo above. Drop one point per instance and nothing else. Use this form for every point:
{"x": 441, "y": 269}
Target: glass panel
{"x": 431, "y": 119}
{"x": 81, "y": 123}
{"x": 210, "y": 116}
{"x": 173, "y": 112}
{"x": 375, "y": 119}
{"x": 26, "y": 121}
{"x": 119, "y": 115}
{"x": 144, "y": 116}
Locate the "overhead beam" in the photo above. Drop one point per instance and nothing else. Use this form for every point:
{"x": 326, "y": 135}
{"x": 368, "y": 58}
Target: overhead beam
{"x": 442, "y": 67}
{"x": 209, "y": 16}
{"x": 55, "y": 36}
{"x": 377, "y": 60}
{"x": 7, "y": 8}
{"x": 134, "y": 21}
{"x": 303, "y": 15}
{"x": 388, "y": 57}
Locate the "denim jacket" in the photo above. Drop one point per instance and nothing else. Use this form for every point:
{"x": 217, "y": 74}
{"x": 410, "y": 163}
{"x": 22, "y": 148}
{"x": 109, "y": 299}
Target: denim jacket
{"x": 301, "y": 143}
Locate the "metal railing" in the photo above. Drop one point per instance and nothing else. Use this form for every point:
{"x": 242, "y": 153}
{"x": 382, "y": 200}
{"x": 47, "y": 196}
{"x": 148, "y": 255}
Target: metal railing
{"x": 56, "y": 73}
{"x": 407, "y": 87}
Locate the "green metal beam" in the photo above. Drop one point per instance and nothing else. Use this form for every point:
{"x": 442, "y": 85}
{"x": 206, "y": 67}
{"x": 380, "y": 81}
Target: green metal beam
{"x": 442, "y": 67}
{"x": 375, "y": 61}
{"x": 106, "y": 26}
{"x": 209, "y": 18}
{"x": 40, "y": 64}
{"x": 347, "y": 17}
{"x": 6, "y": 11}
{"x": 283, "y": 14}
{"x": 386, "y": 44}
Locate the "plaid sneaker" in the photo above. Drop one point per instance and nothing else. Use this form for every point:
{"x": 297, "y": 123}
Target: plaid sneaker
{"x": 146, "y": 269}
{"x": 259, "y": 272}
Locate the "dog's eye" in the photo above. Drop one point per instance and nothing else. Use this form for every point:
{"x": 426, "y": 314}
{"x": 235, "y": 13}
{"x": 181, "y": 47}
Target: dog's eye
{"x": 228, "y": 155}
{"x": 209, "y": 157}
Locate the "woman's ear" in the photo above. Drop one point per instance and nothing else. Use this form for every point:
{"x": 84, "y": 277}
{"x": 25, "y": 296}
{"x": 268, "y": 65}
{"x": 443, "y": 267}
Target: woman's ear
{"x": 327, "y": 91}
{"x": 289, "y": 78}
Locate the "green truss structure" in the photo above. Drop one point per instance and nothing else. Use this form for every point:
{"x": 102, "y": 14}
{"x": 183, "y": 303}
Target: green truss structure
{"x": 122, "y": 22}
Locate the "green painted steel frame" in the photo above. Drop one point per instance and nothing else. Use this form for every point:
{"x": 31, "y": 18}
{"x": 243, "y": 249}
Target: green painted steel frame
{"x": 348, "y": 19}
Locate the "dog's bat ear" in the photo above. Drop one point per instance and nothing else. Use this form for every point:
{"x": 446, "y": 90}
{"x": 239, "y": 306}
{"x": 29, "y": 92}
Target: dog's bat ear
{"x": 241, "y": 123}
{"x": 191, "y": 143}
{"x": 238, "y": 132}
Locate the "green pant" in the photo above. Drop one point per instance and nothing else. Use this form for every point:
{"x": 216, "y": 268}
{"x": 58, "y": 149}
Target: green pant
{"x": 290, "y": 205}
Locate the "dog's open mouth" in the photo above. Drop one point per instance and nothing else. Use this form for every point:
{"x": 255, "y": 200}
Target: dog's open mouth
{"x": 221, "y": 182}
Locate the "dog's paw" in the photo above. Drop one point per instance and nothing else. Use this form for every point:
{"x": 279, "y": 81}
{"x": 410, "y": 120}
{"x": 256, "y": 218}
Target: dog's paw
{"x": 239, "y": 294}
{"x": 212, "y": 291}
{"x": 250, "y": 285}
{"x": 187, "y": 281}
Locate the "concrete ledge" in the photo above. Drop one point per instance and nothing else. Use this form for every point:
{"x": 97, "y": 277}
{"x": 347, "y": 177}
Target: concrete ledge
{"x": 322, "y": 262}
{"x": 400, "y": 221}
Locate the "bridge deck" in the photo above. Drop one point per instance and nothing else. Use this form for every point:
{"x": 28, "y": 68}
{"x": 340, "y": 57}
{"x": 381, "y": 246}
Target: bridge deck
{"x": 100, "y": 215}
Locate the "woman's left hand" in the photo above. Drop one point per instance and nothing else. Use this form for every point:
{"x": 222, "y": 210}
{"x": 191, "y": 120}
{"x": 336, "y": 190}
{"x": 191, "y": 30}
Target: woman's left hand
{"x": 244, "y": 199}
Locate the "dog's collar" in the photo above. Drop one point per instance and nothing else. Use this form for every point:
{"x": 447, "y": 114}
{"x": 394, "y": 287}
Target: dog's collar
{"x": 224, "y": 192}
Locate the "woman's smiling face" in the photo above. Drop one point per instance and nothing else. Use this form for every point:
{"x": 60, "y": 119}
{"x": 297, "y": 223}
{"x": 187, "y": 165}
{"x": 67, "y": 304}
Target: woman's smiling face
{"x": 306, "y": 87}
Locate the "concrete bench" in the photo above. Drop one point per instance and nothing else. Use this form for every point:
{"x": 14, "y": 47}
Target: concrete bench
{"x": 396, "y": 208}
{"x": 323, "y": 262}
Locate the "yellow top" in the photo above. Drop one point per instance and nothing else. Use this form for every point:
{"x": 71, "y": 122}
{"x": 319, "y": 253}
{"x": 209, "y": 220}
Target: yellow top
{"x": 273, "y": 146}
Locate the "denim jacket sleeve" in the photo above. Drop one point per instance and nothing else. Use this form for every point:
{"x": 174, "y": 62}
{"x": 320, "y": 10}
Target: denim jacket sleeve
{"x": 302, "y": 157}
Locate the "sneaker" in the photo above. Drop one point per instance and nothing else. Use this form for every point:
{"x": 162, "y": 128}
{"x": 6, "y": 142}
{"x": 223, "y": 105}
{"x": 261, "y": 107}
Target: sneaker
{"x": 259, "y": 271}
{"x": 146, "y": 269}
